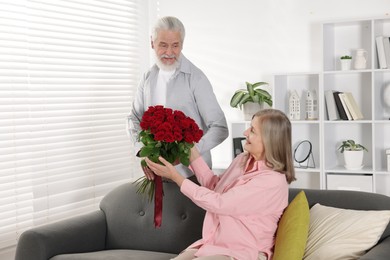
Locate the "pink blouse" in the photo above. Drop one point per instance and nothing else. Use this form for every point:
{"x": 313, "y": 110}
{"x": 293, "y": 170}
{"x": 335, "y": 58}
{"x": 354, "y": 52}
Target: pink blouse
{"x": 243, "y": 208}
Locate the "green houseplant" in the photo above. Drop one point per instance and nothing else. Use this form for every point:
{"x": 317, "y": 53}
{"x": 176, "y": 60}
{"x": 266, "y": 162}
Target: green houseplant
{"x": 251, "y": 99}
{"x": 252, "y": 93}
{"x": 353, "y": 154}
{"x": 351, "y": 145}
{"x": 346, "y": 57}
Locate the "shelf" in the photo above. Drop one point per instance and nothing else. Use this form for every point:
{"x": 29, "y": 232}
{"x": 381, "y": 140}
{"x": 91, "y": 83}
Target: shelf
{"x": 305, "y": 122}
{"x": 313, "y": 170}
{"x": 348, "y": 122}
{"x": 367, "y": 87}
{"x": 345, "y": 72}
{"x": 383, "y": 172}
{"x": 342, "y": 169}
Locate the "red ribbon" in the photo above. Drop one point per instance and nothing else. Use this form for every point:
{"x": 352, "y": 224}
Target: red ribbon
{"x": 158, "y": 194}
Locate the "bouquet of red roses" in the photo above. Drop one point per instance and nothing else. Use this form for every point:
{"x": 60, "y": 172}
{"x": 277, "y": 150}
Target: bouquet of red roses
{"x": 170, "y": 134}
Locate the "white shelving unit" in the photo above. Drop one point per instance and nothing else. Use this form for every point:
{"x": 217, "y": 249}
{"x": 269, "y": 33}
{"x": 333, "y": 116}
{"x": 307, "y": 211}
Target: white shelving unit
{"x": 310, "y": 130}
{"x": 367, "y": 86}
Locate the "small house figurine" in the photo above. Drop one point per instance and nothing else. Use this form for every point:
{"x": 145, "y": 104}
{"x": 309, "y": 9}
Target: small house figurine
{"x": 294, "y": 106}
{"x": 311, "y": 105}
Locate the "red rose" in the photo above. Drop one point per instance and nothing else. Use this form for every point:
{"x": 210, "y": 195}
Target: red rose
{"x": 144, "y": 125}
{"x": 178, "y": 115}
{"x": 185, "y": 123}
{"x": 177, "y": 136}
{"x": 188, "y": 138}
{"x": 169, "y": 138}
{"x": 167, "y": 127}
{"x": 170, "y": 118}
{"x": 198, "y": 135}
{"x": 159, "y": 136}
{"x": 159, "y": 115}
{"x": 168, "y": 111}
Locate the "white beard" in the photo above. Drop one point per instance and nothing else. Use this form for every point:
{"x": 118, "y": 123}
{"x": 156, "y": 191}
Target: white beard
{"x": 165, "y": 67}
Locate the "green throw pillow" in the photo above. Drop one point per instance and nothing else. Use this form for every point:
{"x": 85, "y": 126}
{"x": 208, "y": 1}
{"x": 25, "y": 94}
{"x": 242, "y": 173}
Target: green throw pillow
{"x": 293, "y": 229}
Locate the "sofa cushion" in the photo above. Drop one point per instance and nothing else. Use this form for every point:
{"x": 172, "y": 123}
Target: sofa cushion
{"x": 293, "y": 228}
{"x": 116, "y": 255}
{"x": 347, "y": 199}
{"x": 336, "y": 233}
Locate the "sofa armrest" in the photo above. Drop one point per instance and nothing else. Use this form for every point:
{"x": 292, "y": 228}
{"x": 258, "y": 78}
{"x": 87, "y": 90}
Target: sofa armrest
{"x": 380, "y": 251}
{"x": 78, "y": 234}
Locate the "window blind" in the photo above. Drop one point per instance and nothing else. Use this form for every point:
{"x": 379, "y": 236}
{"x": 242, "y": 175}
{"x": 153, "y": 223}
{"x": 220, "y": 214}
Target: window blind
{"x": 67, "y": 74}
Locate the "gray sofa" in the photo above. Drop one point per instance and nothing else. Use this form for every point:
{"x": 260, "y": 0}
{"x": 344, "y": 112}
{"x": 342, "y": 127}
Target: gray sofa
{"x": 123, "y": 228}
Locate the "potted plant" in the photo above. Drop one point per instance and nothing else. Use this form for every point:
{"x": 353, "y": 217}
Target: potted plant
{"x": 346, "y": 62}
{"x": 251, "y": 99}
{"x": 353, "y": 154}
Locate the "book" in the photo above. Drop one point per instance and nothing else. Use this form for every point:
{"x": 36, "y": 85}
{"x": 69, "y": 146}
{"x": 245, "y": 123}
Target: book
{"x": 381, "y": 52}
{"x": 342, "y": 99}
{"x": 339, "y": 106}
{"x": 333, "y": 113}
{"x": 386, "y": 47}
{"x": 353, "y": 106}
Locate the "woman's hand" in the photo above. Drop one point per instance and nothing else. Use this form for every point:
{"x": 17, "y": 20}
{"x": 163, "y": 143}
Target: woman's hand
{"x": 167, "y": 170}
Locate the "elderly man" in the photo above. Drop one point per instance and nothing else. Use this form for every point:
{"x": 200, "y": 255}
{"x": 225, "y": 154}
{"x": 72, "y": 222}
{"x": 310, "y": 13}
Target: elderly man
{"x": 176, "y": 83}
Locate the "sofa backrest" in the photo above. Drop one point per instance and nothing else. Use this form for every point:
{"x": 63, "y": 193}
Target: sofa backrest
{"x": 130, "y": 216}
{"x": 345, "y": 199}
{"x": 130, "y": 220}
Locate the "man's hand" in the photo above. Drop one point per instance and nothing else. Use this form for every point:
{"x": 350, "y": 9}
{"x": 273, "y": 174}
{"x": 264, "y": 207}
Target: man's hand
{"x": 149, "y": 174}
{"x": 194, "y": 154}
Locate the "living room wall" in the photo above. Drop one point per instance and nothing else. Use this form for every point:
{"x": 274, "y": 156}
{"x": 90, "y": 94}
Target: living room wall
{"x": 250, "y": 40}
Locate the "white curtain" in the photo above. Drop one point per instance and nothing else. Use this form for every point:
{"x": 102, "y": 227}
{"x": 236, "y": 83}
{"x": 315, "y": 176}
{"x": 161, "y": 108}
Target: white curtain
{"x": 68, "y": 70}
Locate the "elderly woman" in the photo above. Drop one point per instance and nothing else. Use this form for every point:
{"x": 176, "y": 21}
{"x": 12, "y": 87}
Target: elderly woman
{"x": 244, "y": 204}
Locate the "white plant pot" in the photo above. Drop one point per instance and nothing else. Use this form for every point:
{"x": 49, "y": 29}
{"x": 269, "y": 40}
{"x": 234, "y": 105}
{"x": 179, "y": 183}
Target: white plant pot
{"x": 250, "y": 109}
{"x": 353, "y": 160}
{"x": 345, "y": 64}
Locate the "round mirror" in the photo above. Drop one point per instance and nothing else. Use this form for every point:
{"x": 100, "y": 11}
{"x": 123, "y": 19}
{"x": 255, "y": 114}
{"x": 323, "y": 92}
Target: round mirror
{"x": 302, "y": 151}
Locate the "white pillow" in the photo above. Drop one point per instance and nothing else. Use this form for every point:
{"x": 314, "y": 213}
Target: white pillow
{"x": 343, "y": 234}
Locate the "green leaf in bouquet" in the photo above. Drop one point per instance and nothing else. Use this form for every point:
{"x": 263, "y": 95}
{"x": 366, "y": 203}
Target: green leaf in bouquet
{"x": 146, "y": 151}
{"x": 148, "y": 140}
{"x": 172, "y": 158}
{"x": 186, "y": 148}
{"x": 167, "y": 156}
{"x": 143, "y": 163}
{"x": 184, "y": 160}
{"x": 182, "y": 146}
{"x": 173, "y": 155}
{"x": 154, "y": 157}
{"x": 143, "y": 134}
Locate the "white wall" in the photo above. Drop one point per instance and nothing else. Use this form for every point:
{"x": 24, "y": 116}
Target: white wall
{"x": 249, "y": 40}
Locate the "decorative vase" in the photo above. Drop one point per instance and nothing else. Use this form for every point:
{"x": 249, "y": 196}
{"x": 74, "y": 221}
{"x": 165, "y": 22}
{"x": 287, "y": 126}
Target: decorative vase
{"x": 360, "y": 59}
{"x": 250, "y": 109}
{"x": 353, "y": 160}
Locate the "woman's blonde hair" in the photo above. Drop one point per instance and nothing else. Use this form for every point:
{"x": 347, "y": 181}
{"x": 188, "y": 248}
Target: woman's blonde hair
{"x": 275, "y": 128}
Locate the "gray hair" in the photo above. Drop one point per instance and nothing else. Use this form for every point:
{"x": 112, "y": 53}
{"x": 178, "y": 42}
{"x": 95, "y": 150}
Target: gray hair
{"x": 168, "y": 23}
